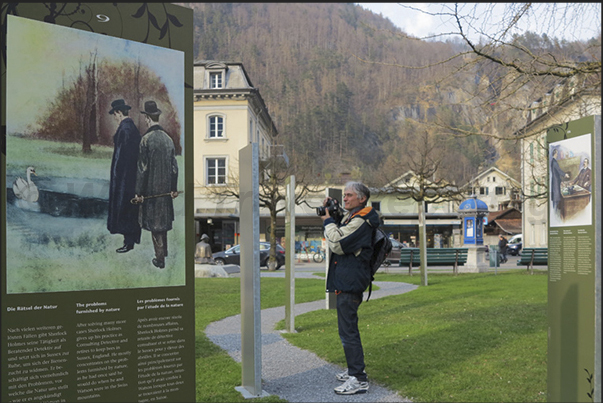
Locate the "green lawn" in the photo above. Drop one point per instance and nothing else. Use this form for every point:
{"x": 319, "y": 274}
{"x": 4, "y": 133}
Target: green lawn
{"x": 218, "y": 298}
{"x": 467, "y": 338}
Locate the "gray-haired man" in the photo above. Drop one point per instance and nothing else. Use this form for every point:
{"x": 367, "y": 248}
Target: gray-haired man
{"x": 350, "y": 242}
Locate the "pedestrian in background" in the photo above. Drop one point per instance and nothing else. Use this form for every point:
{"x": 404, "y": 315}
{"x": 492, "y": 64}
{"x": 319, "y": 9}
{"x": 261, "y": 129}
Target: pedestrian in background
{"x": 203, "y": 254}
{"x": 502, "y": 248}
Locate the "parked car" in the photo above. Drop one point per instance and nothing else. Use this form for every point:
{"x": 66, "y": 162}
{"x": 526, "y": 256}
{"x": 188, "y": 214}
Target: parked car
{"x": 233, "y": 255}
{"x": 515, "y": 244}
{"x": 394, "y": 255}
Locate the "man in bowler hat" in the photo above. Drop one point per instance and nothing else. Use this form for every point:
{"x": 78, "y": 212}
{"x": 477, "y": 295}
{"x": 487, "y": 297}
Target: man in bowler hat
{"x": 123, "y": 215}
{"x": 156, "y": 182}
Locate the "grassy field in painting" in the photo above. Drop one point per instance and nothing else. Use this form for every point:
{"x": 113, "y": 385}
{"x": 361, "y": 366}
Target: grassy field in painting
{"x": 50, "y": 254}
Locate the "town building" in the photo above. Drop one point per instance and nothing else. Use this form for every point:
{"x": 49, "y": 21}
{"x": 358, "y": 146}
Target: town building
{"x": 563, "y": 103}
{"x": 495, "y": 188}
{"x": 505, "y": 222}
{"x": 229, "y": 113}
{"x": 400, "y": 213}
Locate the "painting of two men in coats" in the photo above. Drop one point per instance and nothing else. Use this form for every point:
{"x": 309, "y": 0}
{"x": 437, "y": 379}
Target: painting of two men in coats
{"x": 143, "y": 180}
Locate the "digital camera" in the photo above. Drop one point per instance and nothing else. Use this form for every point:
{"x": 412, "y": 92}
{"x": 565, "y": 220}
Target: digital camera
{"x": 333, "y": 207}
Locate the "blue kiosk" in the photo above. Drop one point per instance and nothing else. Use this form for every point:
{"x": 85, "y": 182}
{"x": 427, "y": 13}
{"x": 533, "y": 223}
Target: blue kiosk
{"x": 472, "y": 211}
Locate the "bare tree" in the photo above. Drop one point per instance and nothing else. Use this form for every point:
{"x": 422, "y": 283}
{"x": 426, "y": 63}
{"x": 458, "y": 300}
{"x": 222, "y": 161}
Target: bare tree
{"x": 422, "y": 156}
{"x": 274, "y": 170}
{"x": 90, "y": 119}
{"x": 511, "y": 70}
{"x": 520, "y": 71}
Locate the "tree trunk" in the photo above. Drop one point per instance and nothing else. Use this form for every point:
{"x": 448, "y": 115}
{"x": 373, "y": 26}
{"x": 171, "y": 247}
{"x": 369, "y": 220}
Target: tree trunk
{"x": 272, "y": 262}
{"x": 89, "y": 107}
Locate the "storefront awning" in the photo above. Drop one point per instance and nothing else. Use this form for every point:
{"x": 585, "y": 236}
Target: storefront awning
{"x": 216, "y": 212}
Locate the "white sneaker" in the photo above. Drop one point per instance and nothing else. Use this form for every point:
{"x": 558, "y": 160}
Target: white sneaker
{"x": 342, "y": 376}
{"x": 352, "y": 386}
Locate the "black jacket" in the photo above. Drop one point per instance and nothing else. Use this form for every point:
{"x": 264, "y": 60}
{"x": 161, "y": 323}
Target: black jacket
{"x": 351, "y": 249}
{"x": 502, "y": 245}
{"x": 123, "y": 215}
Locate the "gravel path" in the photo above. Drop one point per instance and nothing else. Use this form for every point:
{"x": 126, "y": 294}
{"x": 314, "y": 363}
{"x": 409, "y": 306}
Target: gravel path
{"x": 292, "y": 373}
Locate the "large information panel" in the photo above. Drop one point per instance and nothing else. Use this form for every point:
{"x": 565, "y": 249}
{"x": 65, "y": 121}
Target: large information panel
{"x": 574, "y": 263}
{"x": 97, "y": 285}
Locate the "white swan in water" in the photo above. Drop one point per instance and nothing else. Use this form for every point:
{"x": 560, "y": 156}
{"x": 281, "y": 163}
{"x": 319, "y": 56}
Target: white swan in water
{"x": 26, "y": 190}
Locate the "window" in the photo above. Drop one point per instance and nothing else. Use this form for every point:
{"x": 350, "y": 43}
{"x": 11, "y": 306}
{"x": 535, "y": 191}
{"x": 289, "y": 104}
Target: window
{"x": 494, "y": 179}
{"x": 216, "y": 171}
{"x": 215, "y": 80}
{"x": 376, "y": 205}
{"x": 500, "y": 190}
{"x": 483, "y": 190}
{"x": 216, "y": 127}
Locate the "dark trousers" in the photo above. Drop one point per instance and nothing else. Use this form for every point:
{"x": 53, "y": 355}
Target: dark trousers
{"x": 160, "y": 244}
{"x": 347, "y": 321}
{"x": 131, "y": 238}
{"x": 503, "y": 254}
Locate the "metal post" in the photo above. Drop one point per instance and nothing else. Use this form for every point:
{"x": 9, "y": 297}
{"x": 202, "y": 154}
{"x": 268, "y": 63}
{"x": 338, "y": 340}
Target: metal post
{"x": 423, "y": 242}
{"x": 290, "y": 254}
{"x": 251, "y": 330}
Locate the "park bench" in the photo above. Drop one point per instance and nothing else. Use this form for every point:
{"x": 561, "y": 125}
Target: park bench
{"x": 435, "y": 257}
{"x": 531, "y": 257}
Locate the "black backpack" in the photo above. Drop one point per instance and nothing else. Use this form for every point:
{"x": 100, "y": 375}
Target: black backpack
{"x": 382, "y": 246}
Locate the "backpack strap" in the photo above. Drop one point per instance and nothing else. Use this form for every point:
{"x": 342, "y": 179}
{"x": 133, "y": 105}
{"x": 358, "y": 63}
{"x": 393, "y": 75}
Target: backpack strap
{"x": 372, "y": 277}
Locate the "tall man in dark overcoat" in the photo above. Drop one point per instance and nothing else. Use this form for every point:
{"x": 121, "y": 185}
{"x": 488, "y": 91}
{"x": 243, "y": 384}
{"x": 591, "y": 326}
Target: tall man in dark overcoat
{"x": 156, "y": 182}
{"x": 557, "y": 176}
{"x": 123, "y": 215}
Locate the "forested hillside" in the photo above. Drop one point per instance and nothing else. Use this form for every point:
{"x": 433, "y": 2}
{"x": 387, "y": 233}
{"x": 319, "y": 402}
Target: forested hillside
{"x": 338, "y": 114}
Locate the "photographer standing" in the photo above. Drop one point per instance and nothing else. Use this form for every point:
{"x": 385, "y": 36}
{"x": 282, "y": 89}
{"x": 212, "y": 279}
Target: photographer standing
{"x": 349, "y": 237}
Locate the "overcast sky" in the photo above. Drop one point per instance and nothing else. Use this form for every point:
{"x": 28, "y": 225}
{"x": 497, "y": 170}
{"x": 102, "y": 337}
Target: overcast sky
{"x": 420, "y": 24}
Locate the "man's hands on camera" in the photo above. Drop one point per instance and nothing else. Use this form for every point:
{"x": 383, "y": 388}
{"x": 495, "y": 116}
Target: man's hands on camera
{"x": 324, "y": 204}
